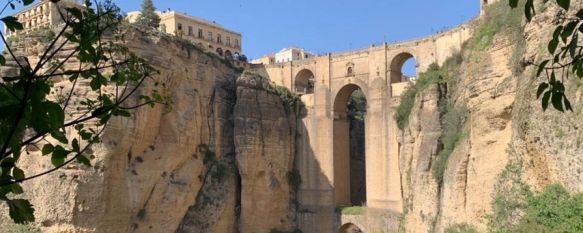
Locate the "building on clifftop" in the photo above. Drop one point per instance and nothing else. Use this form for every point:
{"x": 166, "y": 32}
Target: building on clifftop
{"x": 207, "y": 34}
{"x": 43, "y": 14}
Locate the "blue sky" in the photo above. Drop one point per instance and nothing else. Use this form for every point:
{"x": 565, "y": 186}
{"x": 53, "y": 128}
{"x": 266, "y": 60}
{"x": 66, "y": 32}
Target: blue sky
{"x": 323, "y": 26}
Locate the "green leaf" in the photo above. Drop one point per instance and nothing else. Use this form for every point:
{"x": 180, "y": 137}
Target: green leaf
{"x": 568, "y": 30}
{"x": 529, "y": 10}
{"x": 2, "y": 60}
{"x": 75, "y": 145}
{"x": 513, "y": 3}
{"x": 545, "y": 100}
{"x": 84, "y": 160}
{"x": 60, "y": 136}
{"x": 18, "y": 173}
{"x": 59, "y": 156}
{"x": 541, "y": 67}
{"x": 16, "y": 189}
{"x": 557, "y": 32}
{"x": 8, "y": 163}
{"x": 568, "y": 106}
{"x": 579, "y": 14}
{"x": 27, "y": 2}
{"x": 47, "y": 149}
{"x": 553, "y": 45}
{"x": 557, "y": 100}
{"x": 95, "y": 84}
{"x": 12, "y": 23}
{"x": 541, "y": 88}
{"x": 20, "y": 210}
{"x": 564, "y": 4}
{"x": 48, "y": 116}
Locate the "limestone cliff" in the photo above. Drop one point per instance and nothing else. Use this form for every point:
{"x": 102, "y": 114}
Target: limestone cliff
{"x": 218, "y": 162}
{"x": 504, "y": 123}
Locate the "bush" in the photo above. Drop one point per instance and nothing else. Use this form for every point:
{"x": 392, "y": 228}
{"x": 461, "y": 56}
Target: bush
{"x": 432, "y": 75}
{"x": 553, "y": 210}
{"x": 461, "y": 228}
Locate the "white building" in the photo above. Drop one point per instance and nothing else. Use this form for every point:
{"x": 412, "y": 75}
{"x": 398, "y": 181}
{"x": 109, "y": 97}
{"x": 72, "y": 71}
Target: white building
{"x": 292, "y": 54}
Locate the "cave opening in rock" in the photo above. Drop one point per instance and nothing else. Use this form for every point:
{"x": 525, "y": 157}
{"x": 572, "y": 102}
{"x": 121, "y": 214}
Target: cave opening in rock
{"x": 349, "y": 146}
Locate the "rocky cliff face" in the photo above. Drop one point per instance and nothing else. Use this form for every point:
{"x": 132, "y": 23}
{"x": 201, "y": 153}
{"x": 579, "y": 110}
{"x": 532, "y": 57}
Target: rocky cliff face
{"x": 218, "y": 162}
{"x": 504, "y": 124}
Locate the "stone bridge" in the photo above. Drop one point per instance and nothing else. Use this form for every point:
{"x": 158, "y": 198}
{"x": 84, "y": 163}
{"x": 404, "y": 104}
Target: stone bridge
{"x": 326, "y": 83}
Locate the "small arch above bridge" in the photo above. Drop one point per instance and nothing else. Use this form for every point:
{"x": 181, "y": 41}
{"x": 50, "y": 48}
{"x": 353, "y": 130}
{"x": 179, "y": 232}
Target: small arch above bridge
{"x": 397, "y": 64}
{"x": 304, "y": 82}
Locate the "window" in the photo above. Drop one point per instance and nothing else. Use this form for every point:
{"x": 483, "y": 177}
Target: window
{"x": 190, "y": 33}
{"x": 210, "y": 36}
{"x": 228, "y": 41}
{"x": 219, "y": 39}
{"x": 200, "y": 33}
{"x": 179, "y": 27}
{"x": 236, "y": 43}
{"x": 350, "y": 71}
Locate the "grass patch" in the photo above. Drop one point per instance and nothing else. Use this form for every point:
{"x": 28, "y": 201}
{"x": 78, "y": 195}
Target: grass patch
{"x": 351, "y": 210}
{"x": 498, "y": 17}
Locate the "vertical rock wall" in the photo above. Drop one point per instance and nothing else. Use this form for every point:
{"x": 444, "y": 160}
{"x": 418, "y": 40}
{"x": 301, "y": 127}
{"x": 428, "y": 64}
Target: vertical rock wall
{"x": 218, "y": 162}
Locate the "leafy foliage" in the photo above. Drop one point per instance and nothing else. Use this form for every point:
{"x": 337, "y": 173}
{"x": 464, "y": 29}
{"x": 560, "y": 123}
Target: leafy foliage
{"x": 566, "y": 55}
{"x": 510, "y": 197}
{"x": 35, "y": 116}
{"x": 148, "y": 17}
{"x": 553, "y": 210}
{"x": 432, "y": 75}
{"x": 357, "y": 105}
{"x": 498, "y": 18}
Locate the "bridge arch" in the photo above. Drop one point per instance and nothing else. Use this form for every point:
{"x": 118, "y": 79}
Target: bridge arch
{"x": 397, "y": 64}
{"x": 304, "y": 82}
{"x": 349, "y": 149}
{"x": 350, "y": 228}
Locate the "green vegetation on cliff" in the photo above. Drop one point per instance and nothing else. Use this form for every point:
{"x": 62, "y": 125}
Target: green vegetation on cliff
{"x": 516, "y": 208}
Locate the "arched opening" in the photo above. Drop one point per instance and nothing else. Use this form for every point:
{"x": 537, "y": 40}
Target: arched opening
{"x": 349, "y": 228}
{"x": 349, "y": 146}
{"x": 304, "y": 82}
{"x": 403, "y": 68}
{"x": 220, "y": 51}
{"x": 349, "y": 71}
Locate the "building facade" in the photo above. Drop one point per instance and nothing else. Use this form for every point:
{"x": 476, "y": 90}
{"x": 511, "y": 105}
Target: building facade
{"x": 43, "y": 14}
{"x": 285, "y": 55}
{"x": 292, "y": 54}
{"x": 202, "y": 32}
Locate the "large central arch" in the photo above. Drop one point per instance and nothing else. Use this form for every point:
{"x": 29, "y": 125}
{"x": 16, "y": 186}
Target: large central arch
{"x": 349, "y": 189}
